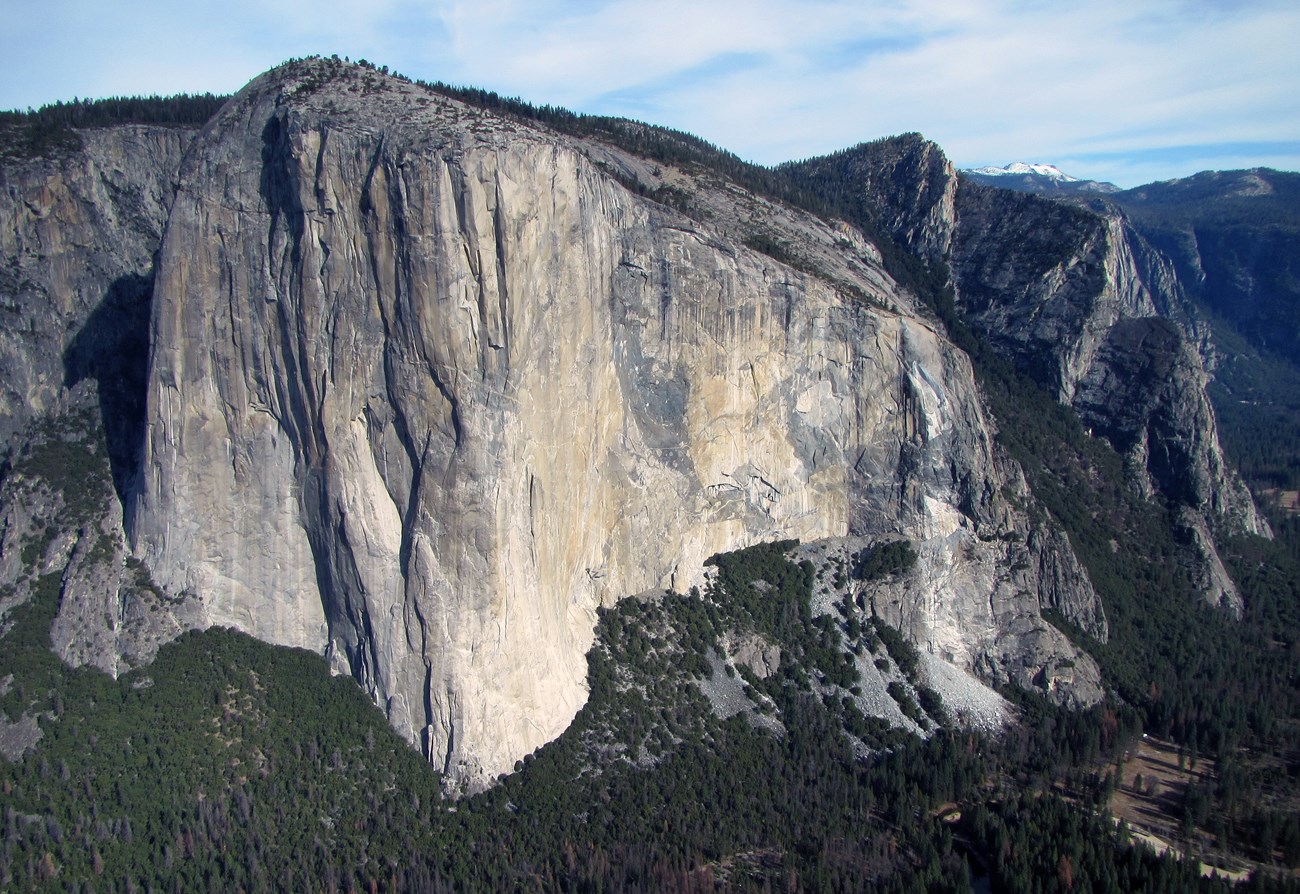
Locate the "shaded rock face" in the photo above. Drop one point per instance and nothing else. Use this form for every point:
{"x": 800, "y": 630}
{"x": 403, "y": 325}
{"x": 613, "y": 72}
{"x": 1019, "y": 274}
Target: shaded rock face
{"x": 1234, "y": 238}
{"x": 61, "y": 535}
{"x": 912, "y": 189}
{"x": 77, "y": 239}
{"x": 428, "y": 387}
{"x": 1137, "y": 395}
{"x": 903, "y": 187}
{"x": 1046, "y": 281}
{"x": 1083, "y": 304}
{"x": 1099, "y": 316}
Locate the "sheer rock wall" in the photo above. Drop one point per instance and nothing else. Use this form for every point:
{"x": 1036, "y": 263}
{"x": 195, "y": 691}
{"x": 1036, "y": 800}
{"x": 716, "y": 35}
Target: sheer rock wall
{"x": 429, "y": 386}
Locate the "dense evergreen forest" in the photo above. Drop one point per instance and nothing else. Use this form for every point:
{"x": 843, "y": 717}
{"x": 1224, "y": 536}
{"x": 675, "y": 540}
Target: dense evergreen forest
{"x": 52, "y": 129}
{"x": 231, "y": 765}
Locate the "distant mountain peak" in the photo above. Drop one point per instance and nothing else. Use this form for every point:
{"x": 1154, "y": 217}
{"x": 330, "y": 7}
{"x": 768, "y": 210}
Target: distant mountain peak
{"x": 1036, "y": 178}
{"x": 1051, "y": 172}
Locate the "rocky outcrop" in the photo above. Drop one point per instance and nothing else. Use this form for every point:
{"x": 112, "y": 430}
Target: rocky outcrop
{"x": 1087, "y": 308}
{"x": 903, "y": 188}
{"x": 429, "y": 386}
{"x": 763, "y": 658}
{"x": 61, "y": 539}
{"x": 909, "y": 187}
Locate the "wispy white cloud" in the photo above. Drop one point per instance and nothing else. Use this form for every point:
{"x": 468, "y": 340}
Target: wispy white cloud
{"x": 991, "y": 81}
{"x": 1109, "y": 85}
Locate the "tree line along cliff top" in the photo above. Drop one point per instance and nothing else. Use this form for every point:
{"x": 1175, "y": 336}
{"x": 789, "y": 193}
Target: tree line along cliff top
{"x": 52, "y": 129}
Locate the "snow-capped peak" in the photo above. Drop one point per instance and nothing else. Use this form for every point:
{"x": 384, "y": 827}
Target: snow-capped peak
{"x": 1051, "y": 172}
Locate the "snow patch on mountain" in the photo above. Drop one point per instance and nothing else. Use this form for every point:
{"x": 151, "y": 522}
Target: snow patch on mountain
{"x": 1049, "y": 171}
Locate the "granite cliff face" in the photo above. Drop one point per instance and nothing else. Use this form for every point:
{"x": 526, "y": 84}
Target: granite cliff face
{"x": 1078, "y": 299}
{"x": 428, "y": 386}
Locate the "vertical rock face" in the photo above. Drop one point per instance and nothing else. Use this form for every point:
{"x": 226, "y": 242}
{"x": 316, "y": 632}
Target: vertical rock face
{"x": 428, "y": 387}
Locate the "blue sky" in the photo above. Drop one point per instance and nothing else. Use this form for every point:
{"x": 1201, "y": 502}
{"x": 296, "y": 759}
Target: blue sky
{"x": 1122, "y": 90}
